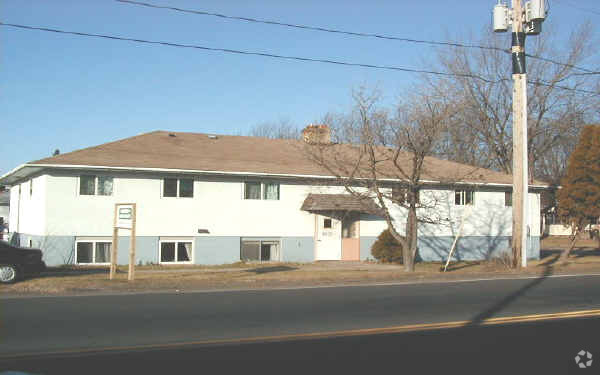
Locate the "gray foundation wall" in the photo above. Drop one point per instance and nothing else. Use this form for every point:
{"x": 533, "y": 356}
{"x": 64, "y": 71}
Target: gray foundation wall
{"x": 436, "y": 249}
{"x": 297, "y": 249}
{"x": 216, "y": 250}
{"x": 365, "y": 247}
{"x": 59, "y": 250}
{"x": 146, "y": 250}
{"x": 56, "y": 250}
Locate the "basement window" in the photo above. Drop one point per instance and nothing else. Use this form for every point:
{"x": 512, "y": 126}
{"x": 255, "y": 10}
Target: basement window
{"x": 182, "y": 187}
{"x": 92, "y": 252}
{"x": 463, "y": 197}
{"x": 176, "y": 251}
{"x": 260, "y": 251}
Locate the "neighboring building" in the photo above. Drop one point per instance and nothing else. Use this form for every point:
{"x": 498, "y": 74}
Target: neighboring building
{"x": 4, "y": 210}
{"x": 553, "y": 225}
{"x": 207, "y": 199}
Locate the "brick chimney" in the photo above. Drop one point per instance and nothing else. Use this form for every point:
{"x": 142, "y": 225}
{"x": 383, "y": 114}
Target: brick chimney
{"x": 313, "y": 134}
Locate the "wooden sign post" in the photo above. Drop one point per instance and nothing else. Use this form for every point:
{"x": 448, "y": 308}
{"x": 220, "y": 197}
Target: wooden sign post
{"x": 125, "y": 218}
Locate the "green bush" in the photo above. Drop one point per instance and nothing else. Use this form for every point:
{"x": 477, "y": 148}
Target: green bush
{"x": 386, "y": 249}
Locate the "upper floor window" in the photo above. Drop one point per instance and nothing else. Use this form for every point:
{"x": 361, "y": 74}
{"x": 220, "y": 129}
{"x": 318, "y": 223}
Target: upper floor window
{"x": 271, "y": 191}
{"x": 508, "y": 198}
{"x": 95, "y": 185}
{"x": 31, "y": 187}
{"x": 266, "y": 190}
{"x": 463, "y": 197}
{"x": 400, "y": 195}
{"x": 178, "y": 187}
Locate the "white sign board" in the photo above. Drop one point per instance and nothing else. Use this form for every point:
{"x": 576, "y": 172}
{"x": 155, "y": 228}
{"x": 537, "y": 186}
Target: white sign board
{"x": 124, "y": 219}
{"x": 125, "y": 216}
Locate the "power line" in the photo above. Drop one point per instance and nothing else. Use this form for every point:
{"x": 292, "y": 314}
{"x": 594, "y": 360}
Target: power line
{"x": 345, "y": 32}
{"x": 277, "y": 56}
{"x": 585, "y": 70}
{"x": 547, "y": 84}
{"x": 315, "y": 28}
{"x": 241, "y": 52}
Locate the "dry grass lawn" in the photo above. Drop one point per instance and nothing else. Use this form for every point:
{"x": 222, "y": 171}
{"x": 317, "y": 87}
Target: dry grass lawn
{"x": 75, "y": 280}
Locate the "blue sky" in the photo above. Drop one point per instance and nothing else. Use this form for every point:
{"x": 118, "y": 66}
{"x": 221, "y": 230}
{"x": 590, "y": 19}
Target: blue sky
{"x": 69, "y": 92}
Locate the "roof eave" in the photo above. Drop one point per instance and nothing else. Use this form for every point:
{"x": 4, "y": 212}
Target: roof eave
{"x": 24, "y": 170}
{"x": 21, "y": 172}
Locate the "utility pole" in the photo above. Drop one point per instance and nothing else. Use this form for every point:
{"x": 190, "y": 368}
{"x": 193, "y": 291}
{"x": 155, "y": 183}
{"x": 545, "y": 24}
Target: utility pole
{"x": 520, "y": 176}
{"x": 526, "y": 21}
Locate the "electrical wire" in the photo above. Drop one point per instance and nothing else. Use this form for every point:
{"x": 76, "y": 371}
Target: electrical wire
{"x": 315, "y": 28}
{"x": 585, "y": 70}
{"x": 547, "y": 84}
{"x": 242, "y": 52}
{"x": 345, "y": 32}
{"x": 277, "y": 56}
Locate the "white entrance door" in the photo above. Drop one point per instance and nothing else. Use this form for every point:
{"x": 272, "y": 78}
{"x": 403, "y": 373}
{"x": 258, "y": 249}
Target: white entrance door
{"x": 329, "y": 238}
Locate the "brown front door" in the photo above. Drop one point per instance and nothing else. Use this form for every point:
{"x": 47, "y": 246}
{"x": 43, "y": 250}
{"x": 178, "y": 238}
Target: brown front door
{"x": 351, "y": 236}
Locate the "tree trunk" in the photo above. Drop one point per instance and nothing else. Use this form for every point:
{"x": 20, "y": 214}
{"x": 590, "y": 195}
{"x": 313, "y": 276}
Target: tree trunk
{"x": 410, "y": 250}
{"x": 565, "y": 254}
{"x": 530, "y": 168}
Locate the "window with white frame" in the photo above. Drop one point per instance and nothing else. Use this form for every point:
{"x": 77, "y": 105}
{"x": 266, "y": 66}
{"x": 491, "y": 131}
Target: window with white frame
{"x": 271, "y": 191}
{"x": 92, "y": 252}
{"x": 463, "y": 197}
{"x": 178, "y": 187}
{"x": 176, "y": 251}
{"x": 261, "y": 190}
{"x": 256, "y": 250}
{"x": 95, "y": 185}
{"x": 400, "y": 195}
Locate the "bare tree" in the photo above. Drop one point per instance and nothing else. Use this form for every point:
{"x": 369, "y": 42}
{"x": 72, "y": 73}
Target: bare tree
{"x": 384, "y": 158}
{"x": 483, "y": 87}
{"x": 282, "y": 129}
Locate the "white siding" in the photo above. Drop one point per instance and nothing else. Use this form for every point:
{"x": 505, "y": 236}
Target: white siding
{"x": 28, "y": 212}
{"x": 4, "y": 213}
{"x": 14, "y": 212}
{"x": 219, "y": 207}
{"x": 558, "y": 230}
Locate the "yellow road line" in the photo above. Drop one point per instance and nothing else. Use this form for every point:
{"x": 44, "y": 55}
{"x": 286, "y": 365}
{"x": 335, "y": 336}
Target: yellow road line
{"x": 317, "y": 335}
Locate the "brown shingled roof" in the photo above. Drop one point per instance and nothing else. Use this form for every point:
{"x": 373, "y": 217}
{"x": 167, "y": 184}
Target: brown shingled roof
{"x": 226, "y": 153}
{"x": 339, "y": 202}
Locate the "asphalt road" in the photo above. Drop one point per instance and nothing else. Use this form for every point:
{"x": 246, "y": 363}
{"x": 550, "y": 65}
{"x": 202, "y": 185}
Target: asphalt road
{"x": 31, "y": 326}
{"x": 546, "y": 347}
